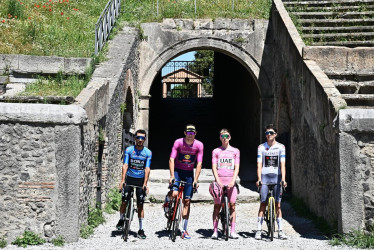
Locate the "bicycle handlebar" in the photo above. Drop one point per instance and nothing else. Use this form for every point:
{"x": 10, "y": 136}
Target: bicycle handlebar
{"x": 143, "y": 187}
{"x": 184, "y": 182}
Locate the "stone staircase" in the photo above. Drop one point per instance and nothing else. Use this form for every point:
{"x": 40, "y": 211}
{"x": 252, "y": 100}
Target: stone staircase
{"x": 347, "y": 23}
{"x": 343, "y": 23}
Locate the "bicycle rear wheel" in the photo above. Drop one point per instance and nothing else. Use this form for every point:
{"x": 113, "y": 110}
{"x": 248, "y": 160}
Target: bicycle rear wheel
{"x": 271, "y": 219}
{"x": 177, "y": 219}
{"x": 169, "y": 222}
{"x": 227, "y": 218}
{"x": 128, "y": 218}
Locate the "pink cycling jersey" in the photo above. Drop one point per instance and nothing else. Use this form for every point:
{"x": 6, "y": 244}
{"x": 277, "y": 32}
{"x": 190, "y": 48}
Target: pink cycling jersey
{"x": 226, "y": 159}
{"x": 186, "y": 155}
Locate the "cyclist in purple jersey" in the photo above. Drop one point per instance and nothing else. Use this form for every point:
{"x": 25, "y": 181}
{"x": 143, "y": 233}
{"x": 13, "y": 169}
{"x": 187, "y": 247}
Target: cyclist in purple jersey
{"x": 271, "y": 168}
{"x": 186, "y": 152}
{"x": 135, "y": 171}
{"x": 225, "y": 167}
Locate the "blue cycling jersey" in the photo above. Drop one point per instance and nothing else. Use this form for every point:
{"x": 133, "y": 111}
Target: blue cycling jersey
{"x": 137, "y": 161}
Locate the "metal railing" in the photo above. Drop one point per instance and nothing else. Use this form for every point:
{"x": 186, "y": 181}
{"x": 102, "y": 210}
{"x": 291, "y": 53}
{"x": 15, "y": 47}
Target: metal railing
{"x": 105, "y": 23}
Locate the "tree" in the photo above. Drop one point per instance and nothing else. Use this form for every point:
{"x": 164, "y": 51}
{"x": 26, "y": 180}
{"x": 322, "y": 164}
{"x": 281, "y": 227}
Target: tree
{"x": 204, "y": 66}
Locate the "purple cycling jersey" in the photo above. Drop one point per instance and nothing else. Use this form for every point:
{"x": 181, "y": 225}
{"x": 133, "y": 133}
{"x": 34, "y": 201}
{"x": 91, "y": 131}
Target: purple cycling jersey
{"x": 186, "y": 155}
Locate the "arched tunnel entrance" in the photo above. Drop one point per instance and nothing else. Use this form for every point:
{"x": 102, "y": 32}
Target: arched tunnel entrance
{"x": 235, "y": 105}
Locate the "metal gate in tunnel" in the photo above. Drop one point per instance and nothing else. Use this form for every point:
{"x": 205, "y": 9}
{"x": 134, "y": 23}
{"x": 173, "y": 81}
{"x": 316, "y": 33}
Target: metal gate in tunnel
{"x": 233, "y": 102}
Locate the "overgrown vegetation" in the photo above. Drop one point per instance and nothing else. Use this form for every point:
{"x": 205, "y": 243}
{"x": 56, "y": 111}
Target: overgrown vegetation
{"x": 95, "y": 218}
{"x": 58, "y": 241}
{"x": 67, "y": 27}
{"x": 3, "y": 242}
{"x": 114, "y": 201}
{"x": 321, "y": 224}
{"x": 356, "y": 238}
{"x": 28, "y": 238}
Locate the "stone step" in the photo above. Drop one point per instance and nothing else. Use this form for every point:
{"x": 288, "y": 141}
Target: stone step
{"x": 337, "y": 22}
{"x": 354, "y": 87}
{"x": 333, "y": 8}
{"x": 350, "y": 76}
{"x": 350, "y": 44}
{"x": 366, "y": 36}
{"x": 326, "y": 3}
{"x": 335, "y": 15}
{"x": 359, "y": 99}
{"x": 337, "y": 29}
{"x": 159, "y": 178}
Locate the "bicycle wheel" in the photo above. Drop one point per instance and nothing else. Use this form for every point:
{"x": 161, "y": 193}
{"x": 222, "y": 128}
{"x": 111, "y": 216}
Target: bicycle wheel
{"x": 170, "y": 215}
{"x": 176, "y": 221}
{"x": 227, "y": 218}
{"x": 271, "y": 219}
{"x": 128, "y": 218}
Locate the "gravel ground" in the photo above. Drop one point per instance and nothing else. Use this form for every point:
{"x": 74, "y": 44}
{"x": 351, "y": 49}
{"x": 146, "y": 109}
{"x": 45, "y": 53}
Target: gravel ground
{"x": 301, "y": 232}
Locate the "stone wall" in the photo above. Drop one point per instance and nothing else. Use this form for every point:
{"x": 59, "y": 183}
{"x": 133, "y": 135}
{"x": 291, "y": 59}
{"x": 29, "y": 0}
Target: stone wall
{"x": 312, "y": 102}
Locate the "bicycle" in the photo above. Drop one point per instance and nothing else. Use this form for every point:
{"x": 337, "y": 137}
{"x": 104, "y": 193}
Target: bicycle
{"x": 129, "y": 213}
{"x": 175, "y": 211}
{"x": 270, "y": 212}
{"x": 225, "y": 214}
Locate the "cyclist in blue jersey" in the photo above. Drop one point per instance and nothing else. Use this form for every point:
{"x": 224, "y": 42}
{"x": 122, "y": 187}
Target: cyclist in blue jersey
{"x": 135, "y": 171}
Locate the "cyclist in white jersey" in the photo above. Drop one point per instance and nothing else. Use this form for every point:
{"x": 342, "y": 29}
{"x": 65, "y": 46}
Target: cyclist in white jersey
{"x": 271, "y": 168}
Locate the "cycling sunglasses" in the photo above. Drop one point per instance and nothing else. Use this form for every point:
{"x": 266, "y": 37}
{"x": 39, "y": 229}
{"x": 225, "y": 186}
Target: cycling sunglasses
{"x": 142, "y": 138}
{"x": 269, "y": 133}
{"x": 225, "y": 136}
{"x": 190, "y": 133}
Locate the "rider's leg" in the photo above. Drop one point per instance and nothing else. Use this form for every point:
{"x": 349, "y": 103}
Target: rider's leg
{"x": 233, "y": 216}
{"x": 279, "y": 215}
{"x": 260, "y": 218}
{"x": 216, "y": 209}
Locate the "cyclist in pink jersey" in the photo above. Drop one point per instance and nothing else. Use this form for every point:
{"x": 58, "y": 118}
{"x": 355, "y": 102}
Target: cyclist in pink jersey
{"x": 186, "y": 152}
{"x": 225, "y": 167}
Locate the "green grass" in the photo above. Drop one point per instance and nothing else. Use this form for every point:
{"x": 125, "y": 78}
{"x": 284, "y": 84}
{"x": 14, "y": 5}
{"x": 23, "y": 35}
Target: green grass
{"x": 28, "y": 238}
{"x": 67, "y": 27}
{"x": 95, "y": 218}
{"x": 114, "y": 201}
{"x": 3, "y": 242}
{"x": 356, "y": 238}
{"x": 58, "y": 241}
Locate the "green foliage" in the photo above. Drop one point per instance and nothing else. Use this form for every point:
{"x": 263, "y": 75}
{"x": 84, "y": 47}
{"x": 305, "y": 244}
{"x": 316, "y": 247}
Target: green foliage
{"x": 102, "y": 135}
{"x": 153, "y": 199}
{"x": 95, "y": 218}
{"x": 114, "y": 201}
{"x": 58, "y": 241}
{"x": 321, "y": 224}
{"x": 356, "y": 238}
{"x": 55, "y": 86}
{"x": 28, "y": 238}
{"x": 123, "y": 107}
{"x": 15, "y": 9}
{"x": 3, "y": 242}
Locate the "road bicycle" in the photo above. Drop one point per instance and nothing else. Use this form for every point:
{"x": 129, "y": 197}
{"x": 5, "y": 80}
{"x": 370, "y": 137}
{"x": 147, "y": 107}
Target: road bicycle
{"x": 225, "y": 214}
{"x": 129, "y": 213}
{"x": 270, "y": 212}
{"x": 174, "y": 213}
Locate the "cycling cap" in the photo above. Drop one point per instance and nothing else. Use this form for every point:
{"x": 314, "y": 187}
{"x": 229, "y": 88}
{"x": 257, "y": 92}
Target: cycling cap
{"x": 215, "y": 190}
{"x": 190, "y": 127}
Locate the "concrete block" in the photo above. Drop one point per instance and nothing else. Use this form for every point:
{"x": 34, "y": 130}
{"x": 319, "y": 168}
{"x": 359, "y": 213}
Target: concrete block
{"x": 40, "y": 64}
{"x": 356, "y": 120}
{"x": 76, "y": 65}
{"x": 8, "y": 62}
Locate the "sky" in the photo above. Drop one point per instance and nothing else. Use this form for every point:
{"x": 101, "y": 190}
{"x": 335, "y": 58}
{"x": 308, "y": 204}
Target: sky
{"x": 185, "y": 57}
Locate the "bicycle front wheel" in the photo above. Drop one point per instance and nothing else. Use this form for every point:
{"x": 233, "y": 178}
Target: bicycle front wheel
{"x": 170, "y": 215}
{"x": 227, "y": 218}
{"x": 128, "y": 217}
{"x": 271, "y": 219}
{"x": 177, "y": 219}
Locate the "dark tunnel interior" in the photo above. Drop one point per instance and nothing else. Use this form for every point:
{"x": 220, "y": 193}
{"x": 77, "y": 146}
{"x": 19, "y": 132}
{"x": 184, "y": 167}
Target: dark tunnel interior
{"x": 235, "y": 105}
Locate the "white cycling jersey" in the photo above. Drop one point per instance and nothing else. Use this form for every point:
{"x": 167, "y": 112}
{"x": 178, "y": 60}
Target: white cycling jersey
{"x": 271, "y": 157}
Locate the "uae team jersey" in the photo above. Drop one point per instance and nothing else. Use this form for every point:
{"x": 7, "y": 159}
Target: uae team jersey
{"x": 271, "y": 157}
{"x": 137, "y": 161}
{"x": 226, "y": 159}
{"x": 186, "y": 155}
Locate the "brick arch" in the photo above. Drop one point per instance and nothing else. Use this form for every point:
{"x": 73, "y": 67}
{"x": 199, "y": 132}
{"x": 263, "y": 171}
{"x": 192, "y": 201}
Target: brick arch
{"x": 225, "y": 47}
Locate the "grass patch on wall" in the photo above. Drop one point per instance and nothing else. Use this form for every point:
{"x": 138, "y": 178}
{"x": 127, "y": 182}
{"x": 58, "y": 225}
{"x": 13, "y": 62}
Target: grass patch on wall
{"x": 356, "y": 238}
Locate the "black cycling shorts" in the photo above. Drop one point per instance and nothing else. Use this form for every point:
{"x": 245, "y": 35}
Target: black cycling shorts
{"x": 128, "y": 191}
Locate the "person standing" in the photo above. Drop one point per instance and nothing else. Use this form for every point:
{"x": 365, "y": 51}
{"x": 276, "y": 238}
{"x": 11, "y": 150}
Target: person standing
{"x": 271, "y": 168}
{"x": 135, "y": 171}
{"x": 225, "y": 167}
{"x": 186, "y": 152}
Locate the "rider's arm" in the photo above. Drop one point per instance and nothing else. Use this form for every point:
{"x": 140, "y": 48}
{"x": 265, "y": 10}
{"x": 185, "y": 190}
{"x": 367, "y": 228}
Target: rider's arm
{"x": 198, "y": 170}
{"x": 214, "y": 166}
{"x": 199, "y": 162}
{"x": 259, "y": 164}
{"x": 146, "y": 176}
{"x": 283, "y": 165}
{"x": 236, "y": 168}
{"x": 171, "y": 168}
{"x": 123, "y": 176}
{"x": 173, "y": 155}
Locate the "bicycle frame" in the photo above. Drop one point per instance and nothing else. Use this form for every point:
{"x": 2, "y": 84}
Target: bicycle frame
{"x": 129, "y": 213}
{"x": 270, "y": 212}
{"x": 226, "y": 214}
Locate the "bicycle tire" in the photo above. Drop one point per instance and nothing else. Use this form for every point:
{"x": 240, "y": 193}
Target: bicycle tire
{"x": 227, "y": 219}
{"x": 170, "y": 216}
{"x": 176, "y": 221}
{"x": 128, "y": 219}
{"x": 271, "y": 219}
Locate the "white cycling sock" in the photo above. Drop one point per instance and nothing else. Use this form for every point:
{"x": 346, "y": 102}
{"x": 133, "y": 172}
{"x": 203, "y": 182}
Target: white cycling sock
{"x": 279, "y": 221}
{"x": 122, "y": 216}
{"x": 259, "y": 222}
{"x": 185, "y": 225}
{"x": 141, "y": 223}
